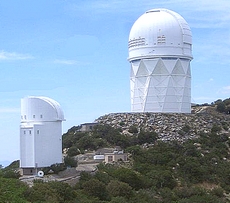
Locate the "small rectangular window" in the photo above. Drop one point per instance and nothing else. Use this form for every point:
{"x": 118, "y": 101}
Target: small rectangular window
{"x": 40, "y": 116}
{"x": 30, "y": 132}
{"x": 37, "y": 131}
{"x": 24, "y": 116}
{"x": 33, "y": 116}
{"x": 24, "y": 132}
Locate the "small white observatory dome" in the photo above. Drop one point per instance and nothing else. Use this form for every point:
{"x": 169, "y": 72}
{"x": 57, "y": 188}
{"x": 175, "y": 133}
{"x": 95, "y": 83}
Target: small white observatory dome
{"x": 160, "y": 33}
{"x": 40, "y": 109}
{"x": 40, "y": 134}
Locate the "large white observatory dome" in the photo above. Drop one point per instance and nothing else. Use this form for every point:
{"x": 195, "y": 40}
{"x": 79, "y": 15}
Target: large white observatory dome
{"x": 160, "y": 51}
{"x": 160, "y": 32}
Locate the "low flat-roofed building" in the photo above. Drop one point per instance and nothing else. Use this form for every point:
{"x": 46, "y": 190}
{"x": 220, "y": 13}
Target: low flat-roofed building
{"x": 115, "y": 156}
{"x": 86, "y": 127}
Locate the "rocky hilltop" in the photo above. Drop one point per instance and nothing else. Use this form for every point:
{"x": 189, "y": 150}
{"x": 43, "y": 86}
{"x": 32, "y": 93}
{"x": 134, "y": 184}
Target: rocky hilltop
{"x": 170, "y": 126}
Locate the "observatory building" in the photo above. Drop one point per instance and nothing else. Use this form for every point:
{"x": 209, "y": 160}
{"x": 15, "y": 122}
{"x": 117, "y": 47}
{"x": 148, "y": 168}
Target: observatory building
{"x": 40, "y": 133}
{"x": 160, "y": 51}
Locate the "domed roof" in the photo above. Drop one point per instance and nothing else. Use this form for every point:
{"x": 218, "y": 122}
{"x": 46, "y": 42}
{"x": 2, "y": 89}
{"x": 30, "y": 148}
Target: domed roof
{"x": 41, "y": 109}
{"x": 55, "y": 105}
{"x": 160, "y": 32}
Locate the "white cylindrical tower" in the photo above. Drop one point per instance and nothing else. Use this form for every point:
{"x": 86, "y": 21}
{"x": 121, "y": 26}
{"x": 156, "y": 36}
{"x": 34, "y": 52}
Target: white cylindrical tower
{"x": 40, "y": 133}
{"x": 160, "y": 51}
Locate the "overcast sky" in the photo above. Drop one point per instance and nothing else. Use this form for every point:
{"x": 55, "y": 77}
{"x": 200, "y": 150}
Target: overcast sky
{"x": 75, "y": 52}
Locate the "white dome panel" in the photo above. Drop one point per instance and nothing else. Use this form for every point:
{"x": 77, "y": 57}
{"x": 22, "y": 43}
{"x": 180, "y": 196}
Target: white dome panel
{"x": 160, "y": 32}
{"x": 40, "y": 109}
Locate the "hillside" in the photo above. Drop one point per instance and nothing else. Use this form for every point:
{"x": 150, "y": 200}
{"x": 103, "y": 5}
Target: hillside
{"x": 176, "y": 158}
{"x": 170, "y": 127}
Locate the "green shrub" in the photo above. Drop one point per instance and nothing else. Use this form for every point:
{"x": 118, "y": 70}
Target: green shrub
{"x": 221, "y": 107}
{"x": 186, "y": 128}
{"x": 73, "y": 151}
{"x": 219, "y": 192}
{"x": 215, "y": 128}
{"x": 117, "y": 188}
{"x": 11, "y": 174}
{"x": 95, "y": 188}
{"x": 56, "y": 168}
{"x": 133, "y": 129}
{"x": 70, "y": 161}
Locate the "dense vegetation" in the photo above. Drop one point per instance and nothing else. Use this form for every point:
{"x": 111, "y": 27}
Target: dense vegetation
{"x": 103, "y": 136}
{"x": 195, "y": 171}
{"x": 223, "y": 106}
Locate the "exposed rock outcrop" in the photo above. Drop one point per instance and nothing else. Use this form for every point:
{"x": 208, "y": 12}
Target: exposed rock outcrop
{"x": 170, "y": 126}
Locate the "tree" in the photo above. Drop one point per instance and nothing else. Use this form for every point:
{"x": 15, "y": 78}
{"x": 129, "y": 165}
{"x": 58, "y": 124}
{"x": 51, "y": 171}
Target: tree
{"x": 162, "y": 178}
{"x": 186, "y": 128}
{"x": 10, "y": 173}
{"x": 70, "y": 161}
{"x": 103, "y": 177}
{"x": 134, "y": 150}
{"x": 133, "y": 129}
{"x": 228, "y": 109}
{"x": 221, "y": 107}
{"x": 130, "y": 177}
{"x": 191, "y": 170}
{"x": 64, "y": 191}
{"x": 215, "y": 128}
{"x": 147, "y": 137}
{"x": 118, "y": 199}
{"x": 84, "y": 177}
{"x": 227, "y": 101}
{"x": 73, "y": 151}
{"x": 12, "y": 190}
{"x": 95, "y": 188}
{"x": 56, "y": 168}
{"x": 191, "y": 150}
{"x": 218, "y": 101}
{"x": 201, "y": 199}
{"x": 99, "y": 143}
{"x": 117, "y": 188}
{"x": 120, "y": 140}
{"x": 86, "y": 142}
{"x": 42, "y": 192}
{"x": 71, "y": 137}
{"x": 104, "y": 131}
